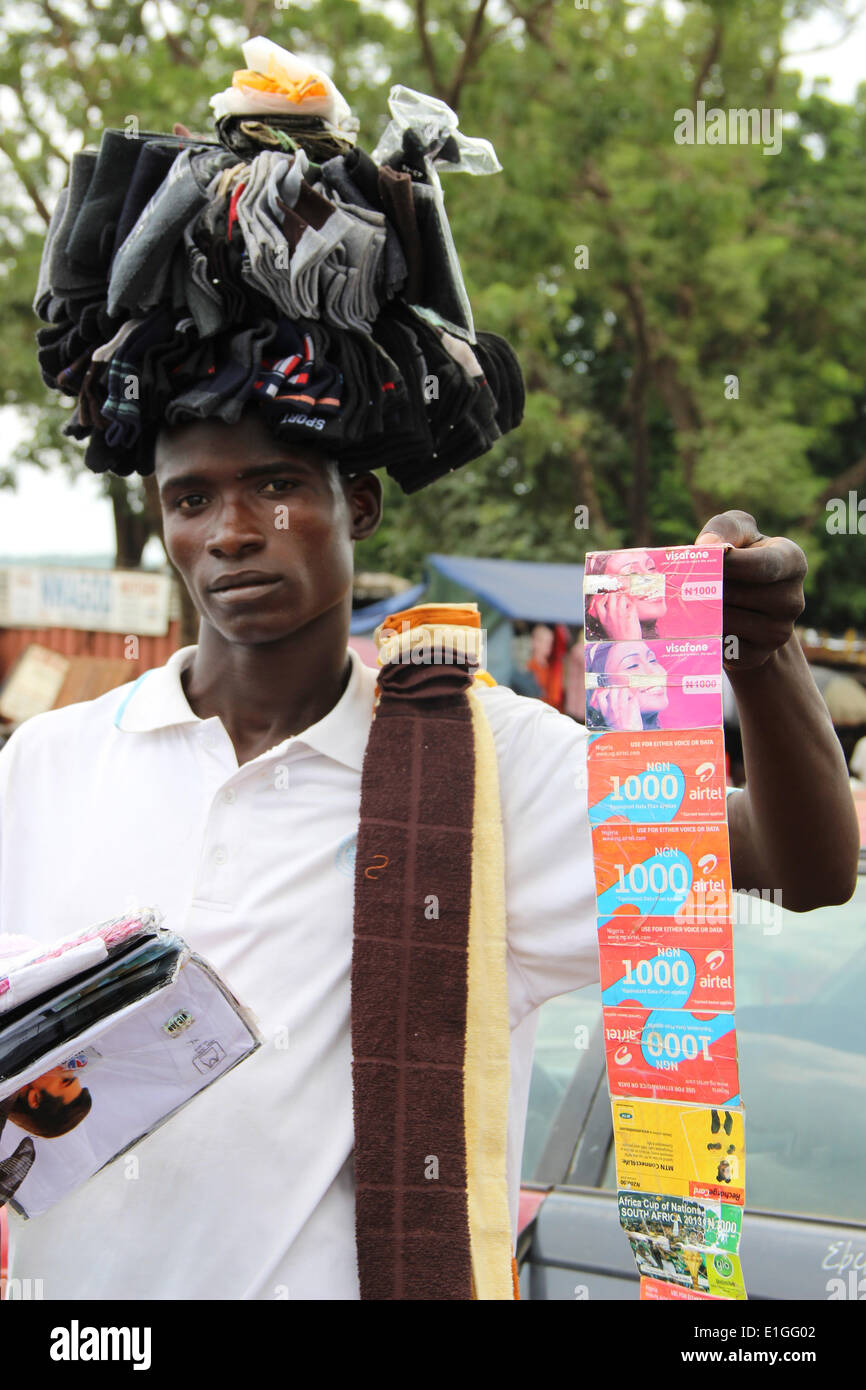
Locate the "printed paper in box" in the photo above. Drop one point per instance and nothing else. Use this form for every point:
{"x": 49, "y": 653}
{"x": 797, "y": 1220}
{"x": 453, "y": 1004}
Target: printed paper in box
{"x": 679, "y": 1149}
{"x": 674, "y": 592}
{"x": 681, "y": 1222}
{"x": 666, "y": 969}
{"x": 668, "y": 1054}
{"x": 673, "y": 684}
{"x": 681, "y": 871}
{"x": 656, "y": 1291}
{"x": 657, "y": 778}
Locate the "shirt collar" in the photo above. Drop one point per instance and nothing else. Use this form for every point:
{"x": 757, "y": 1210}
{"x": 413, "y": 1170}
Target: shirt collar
{"x": 157, "y": 701}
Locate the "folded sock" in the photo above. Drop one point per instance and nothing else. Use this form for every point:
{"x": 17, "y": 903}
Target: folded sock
{"x": 152, "y": 167}
{"x": 140, "y": 260}
{"x": 65, "y": 276}
{"x": 92, "y": 236}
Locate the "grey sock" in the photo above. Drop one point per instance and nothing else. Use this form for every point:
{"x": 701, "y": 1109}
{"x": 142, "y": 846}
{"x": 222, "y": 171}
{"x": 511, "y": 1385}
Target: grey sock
{"x": 65, "y": 277}
{"x": 141, "y": 263}
{"x": 43, "y": 285}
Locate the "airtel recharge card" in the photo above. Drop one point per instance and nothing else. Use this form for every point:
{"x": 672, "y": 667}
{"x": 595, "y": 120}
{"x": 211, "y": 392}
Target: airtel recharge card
{"x": 668, "y": 1054}
{"x": 665, "y": 970}
{"x": 672, "y": 871}
{"x": 658, "y": 778}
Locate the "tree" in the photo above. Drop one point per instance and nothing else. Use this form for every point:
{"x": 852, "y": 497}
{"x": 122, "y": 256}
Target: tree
{"x": 687, "y": 315}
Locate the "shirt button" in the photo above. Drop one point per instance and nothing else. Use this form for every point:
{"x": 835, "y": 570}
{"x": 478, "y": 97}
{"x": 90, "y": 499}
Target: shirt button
{"x": 230, "y": 794}
{"x": 220, "y": 855}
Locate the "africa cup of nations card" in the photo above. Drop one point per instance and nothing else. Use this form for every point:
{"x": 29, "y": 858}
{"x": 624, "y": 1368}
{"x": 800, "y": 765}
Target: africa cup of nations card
{"x": 657, "y": 778}
{"x": 680, "y": 1223}
{"x": 668, "y": 1054}
{"x": 673, "y": 592}
{"x": 675, "y": 683}
{"x": 689, "y": 1274}
{"x": 681, "y": 1150}
{"x": 681, "y": 871}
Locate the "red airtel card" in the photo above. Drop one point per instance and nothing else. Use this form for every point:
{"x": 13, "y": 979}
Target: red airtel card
{"x": 657, "y": 778}
{"x": 667, "y": 969}
{"x": 679, "y": 871}
{"x": 669, "y": 1054}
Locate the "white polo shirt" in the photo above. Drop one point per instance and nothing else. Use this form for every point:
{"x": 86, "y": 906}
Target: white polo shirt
{"x": 131, "y": 800}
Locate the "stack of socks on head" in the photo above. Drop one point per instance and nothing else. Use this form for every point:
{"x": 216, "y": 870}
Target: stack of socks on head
{"x": 183, "y": 278}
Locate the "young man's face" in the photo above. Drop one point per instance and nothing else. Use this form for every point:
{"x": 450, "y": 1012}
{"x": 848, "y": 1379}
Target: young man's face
{"x": 60, "y": 1082}
{"x": 290, "y": 518}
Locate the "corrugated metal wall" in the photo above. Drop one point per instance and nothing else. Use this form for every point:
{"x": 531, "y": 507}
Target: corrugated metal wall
{"x": 68, "y": 641}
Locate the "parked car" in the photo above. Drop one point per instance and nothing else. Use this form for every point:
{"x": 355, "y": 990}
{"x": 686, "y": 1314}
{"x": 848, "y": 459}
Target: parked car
{"x": 800, "y": 984}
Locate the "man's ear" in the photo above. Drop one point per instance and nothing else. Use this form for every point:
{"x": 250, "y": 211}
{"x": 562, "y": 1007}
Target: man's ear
{"x": 364, "y": 495}
{"x": 33, "y": 1098}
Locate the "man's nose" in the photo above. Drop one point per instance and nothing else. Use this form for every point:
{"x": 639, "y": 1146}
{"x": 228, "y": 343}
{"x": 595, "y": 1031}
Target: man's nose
{"x": 235, "y": 526}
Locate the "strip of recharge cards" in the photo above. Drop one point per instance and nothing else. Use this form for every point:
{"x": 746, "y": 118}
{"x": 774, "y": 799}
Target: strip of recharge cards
{"x": 657, "y": 811}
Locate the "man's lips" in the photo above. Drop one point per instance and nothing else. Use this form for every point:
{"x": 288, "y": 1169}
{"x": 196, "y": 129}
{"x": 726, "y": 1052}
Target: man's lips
{"x": 247, "y": 590}
{"x": 244, "y": 579}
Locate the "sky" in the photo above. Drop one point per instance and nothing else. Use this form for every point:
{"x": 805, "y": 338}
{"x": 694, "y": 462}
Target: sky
{"x": 54, "y": 513}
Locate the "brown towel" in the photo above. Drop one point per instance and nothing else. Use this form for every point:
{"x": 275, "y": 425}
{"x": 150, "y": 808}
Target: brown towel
{"x": 409, "y": 987}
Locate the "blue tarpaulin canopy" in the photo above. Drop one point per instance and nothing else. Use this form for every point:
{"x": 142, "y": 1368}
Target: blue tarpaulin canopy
{"x": 367, "y": 618}
{"x": 520, "y": 589}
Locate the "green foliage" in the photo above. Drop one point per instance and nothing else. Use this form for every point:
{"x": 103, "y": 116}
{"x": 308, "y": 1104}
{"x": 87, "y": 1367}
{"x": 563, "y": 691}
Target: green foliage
{"x": 705, "y": 261}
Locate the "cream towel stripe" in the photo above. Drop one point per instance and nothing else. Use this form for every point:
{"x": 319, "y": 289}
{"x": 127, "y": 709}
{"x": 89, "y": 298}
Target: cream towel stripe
{"x": 431, "y": 640}
{"x": 488, "y": 1036}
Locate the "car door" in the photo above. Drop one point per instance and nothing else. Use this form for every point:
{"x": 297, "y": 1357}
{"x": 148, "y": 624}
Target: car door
{"x": 800, "y": 985}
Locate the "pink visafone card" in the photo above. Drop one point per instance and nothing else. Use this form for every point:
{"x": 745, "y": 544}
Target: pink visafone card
{"x": 636, "y": 685}
{"x": 644, "y": 594}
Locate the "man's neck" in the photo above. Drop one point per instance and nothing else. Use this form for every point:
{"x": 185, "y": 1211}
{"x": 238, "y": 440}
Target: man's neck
{"x": 266, "y": 692}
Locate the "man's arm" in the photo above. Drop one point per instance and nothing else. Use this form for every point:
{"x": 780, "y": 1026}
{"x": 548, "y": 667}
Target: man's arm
{"x": 794, "y": 828}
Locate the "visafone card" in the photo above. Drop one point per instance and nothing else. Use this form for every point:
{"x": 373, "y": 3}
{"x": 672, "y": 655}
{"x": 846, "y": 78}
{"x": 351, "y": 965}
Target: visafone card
{"x": 646, "y": 593}
{"x": 681, "y": 871}
{"x": 671, "y": 684}
{"x": 668, "y": 1054}
{"x": 656, "y": 778}
{"x": 665, "y": 970}
{"x": 683, "y": 1150}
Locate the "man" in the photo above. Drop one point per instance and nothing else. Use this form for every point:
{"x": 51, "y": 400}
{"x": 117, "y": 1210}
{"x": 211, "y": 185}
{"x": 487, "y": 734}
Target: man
{"x": 304, "y": 336}
{"x": 224, "y": 788}
{"x": 49, "y": 1105}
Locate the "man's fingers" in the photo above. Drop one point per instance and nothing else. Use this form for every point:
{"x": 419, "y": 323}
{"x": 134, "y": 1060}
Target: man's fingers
{"x": 756, "y": 629}
{"x": 781, "y": 600}
{"x": 733, "y": 528}
{"x": 178, "y": 129}
{"x": 773, "y": 560}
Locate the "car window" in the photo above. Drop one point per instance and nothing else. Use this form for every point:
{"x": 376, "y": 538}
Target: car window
{"x": 565, "y": 1027}
{"x": 800, "y": 981}
{"x": 800, "y": 986}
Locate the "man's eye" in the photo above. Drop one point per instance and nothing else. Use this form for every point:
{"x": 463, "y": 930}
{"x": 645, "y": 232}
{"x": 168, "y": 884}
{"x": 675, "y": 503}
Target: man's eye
{"x": 286, "y": 482}
{"x": 190, "y": 497}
